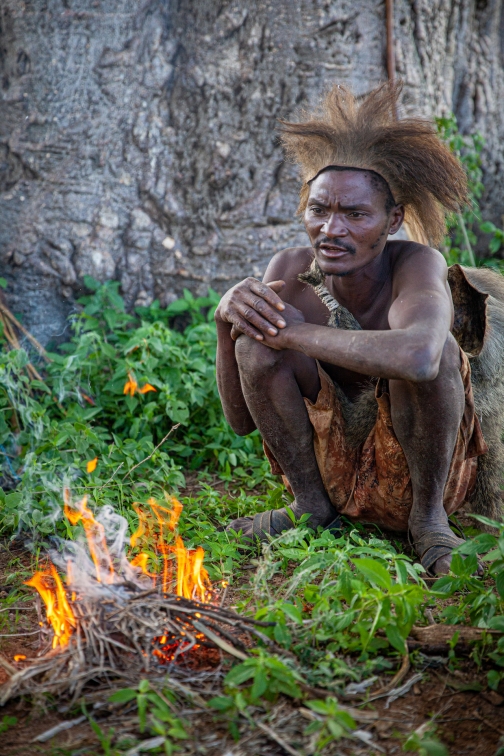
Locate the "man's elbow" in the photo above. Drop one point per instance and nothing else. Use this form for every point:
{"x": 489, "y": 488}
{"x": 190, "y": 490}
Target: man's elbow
{"x": 423, "y": 364}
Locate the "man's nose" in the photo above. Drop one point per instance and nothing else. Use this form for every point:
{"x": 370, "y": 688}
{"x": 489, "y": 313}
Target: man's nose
{"x": 334, "y": 226}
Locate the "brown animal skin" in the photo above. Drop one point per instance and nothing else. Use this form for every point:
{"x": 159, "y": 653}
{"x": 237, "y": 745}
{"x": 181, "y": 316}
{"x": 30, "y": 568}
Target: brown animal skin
{"x": 487, "y": 366}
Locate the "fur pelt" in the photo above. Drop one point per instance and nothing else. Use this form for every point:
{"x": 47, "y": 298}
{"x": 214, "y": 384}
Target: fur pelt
{"x": 487, "y": 369}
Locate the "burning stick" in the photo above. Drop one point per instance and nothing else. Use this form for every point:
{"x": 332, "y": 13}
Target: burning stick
{"x": 112, "y": 620}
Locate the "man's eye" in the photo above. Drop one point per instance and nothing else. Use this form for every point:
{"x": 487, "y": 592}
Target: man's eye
{"x": 317, "y": 210}
{"x": 355, "y": 214}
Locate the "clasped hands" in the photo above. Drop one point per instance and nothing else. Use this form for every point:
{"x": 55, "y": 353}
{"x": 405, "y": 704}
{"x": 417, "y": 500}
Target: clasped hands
{"x": 256, "y": 310}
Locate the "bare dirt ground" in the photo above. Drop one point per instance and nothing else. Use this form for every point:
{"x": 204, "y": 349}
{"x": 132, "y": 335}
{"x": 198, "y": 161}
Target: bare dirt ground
{"x": 469, "y": 717}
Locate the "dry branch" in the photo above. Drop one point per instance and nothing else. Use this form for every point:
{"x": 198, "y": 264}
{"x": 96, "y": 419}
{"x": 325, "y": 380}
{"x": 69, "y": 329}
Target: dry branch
{"x": 118, "y": 636}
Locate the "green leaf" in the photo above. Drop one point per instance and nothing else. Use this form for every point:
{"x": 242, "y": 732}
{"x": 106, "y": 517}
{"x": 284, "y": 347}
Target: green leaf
{"x": 239, "y": 674}
{"x": 499, "y": 583}
{"x": 497, "y": 623}
{"x": 3, "y": 283}
{"x": 260, "y": 684}
{"x": 123, "y": 696}
{"x": 374, "y": 572}
{"x": 488, "y": 227}
{"x": 494, "y": 679}
{"x": 395, "y": 638}
{"x": 222, "y": 703}
{"x": 293, "y": 612}
{"x": 495, "y": 245}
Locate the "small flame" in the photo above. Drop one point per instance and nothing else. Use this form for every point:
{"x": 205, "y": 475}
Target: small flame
{"x": 155, "y": 527}
{"x": 192, "y": 580}
{"x": 19, "y": 657}
{"x": 95, "y": 534}
{"x": 146, "y": 388}
{"x": 58, "y": 611}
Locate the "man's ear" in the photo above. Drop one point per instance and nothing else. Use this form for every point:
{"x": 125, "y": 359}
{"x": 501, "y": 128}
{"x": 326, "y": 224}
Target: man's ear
{"x": 397, "y": 218}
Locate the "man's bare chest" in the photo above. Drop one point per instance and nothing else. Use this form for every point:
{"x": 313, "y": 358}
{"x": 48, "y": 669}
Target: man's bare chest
{"x": 373, "y": 318}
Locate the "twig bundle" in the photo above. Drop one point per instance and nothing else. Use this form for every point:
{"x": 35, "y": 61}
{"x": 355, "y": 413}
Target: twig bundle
{"x": 117, "y": 639}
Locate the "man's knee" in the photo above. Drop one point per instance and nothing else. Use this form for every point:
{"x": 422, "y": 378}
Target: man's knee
{"x": 450, "y": 358}
{"x": 252, "y": 356}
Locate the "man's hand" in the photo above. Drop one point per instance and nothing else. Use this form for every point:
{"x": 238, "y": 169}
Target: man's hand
{"x": 253, "y": 308}
{"x": 292, "y": 316}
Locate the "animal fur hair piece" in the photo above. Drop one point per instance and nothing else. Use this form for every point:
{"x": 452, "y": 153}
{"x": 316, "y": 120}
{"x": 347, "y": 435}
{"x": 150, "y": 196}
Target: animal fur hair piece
{"x": 422, "y": 173}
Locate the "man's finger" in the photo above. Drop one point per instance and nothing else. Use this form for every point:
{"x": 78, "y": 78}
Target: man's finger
{"x": 277, "y": 286}
{"x": 244, "y": 327}
{"x": 268, "y": 293}
{"x": 252, "y": 316}
{"x": 265, "y": 310}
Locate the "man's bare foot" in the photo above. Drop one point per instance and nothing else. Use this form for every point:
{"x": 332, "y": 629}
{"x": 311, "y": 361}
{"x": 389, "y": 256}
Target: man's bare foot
{"x": 434, "y": 541}
{"x": 280, "y": 521}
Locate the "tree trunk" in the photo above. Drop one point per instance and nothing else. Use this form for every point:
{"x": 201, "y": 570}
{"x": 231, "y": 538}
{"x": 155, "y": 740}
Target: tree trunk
{"x": 139, "y": 142}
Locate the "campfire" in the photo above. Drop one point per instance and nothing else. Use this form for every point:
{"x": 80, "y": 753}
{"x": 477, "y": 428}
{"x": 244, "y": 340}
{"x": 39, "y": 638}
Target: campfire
{"x": 113, "y": 617}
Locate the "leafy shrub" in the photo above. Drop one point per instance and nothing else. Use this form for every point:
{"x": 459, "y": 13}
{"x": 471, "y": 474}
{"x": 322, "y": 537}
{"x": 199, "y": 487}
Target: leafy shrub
{"x": 79, "y": 413}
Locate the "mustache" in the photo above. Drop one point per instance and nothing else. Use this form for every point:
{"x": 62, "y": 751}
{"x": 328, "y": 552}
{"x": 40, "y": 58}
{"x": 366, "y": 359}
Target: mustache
{"x": 338, "y": 242}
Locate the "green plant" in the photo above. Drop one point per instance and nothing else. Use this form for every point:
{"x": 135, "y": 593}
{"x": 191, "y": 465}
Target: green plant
{"x": 269, "y": 674}
{"x": 463, "y": 227}
{"x": 50, "y": 430}
{"x": 331, "y": 722}
{"x": 156, "y": 712}
{"x": 423, "y": 741}
{"x": 345, "y": 595}
{"x": 7, "y": 722}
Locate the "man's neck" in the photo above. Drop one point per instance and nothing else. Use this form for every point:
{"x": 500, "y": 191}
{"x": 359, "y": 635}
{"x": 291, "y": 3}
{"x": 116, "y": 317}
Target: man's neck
{"x": 359, "y": 290}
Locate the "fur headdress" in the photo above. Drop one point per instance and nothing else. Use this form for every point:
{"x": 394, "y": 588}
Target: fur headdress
{"x": 422, "y": 173}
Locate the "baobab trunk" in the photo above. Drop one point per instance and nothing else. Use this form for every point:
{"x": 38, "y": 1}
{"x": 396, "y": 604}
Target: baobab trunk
{"x": 138, "y": 142}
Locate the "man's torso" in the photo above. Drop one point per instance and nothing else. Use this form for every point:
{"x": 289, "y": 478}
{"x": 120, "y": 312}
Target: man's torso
{"x": 371, "y": 315}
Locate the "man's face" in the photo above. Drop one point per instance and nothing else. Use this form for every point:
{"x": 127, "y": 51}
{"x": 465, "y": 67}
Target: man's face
{"x": 347, "y": 221}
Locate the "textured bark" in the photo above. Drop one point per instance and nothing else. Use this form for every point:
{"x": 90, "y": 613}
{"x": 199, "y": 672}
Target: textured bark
{"x": 138, "y": 142}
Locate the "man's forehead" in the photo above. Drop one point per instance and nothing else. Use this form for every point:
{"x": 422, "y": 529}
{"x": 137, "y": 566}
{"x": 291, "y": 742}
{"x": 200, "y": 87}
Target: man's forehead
{"x": 336, "y": 185}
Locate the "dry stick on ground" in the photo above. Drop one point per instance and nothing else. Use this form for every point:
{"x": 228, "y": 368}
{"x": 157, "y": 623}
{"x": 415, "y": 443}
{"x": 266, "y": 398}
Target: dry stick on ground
{"x": 38, "y": 346}
{"x": 174, "y": 428}
{"x": 277, "y": 739}
{"x": 115, "y": 637}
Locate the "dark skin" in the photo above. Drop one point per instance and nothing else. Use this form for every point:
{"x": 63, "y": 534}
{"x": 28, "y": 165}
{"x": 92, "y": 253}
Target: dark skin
{"x": 271, "y": 333}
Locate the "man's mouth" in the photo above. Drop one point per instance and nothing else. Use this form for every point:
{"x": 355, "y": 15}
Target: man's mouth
{"x": 334, "y": 251}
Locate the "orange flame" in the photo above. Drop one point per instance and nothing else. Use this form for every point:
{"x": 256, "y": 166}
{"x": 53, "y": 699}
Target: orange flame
{"x": 192, "y": 580}
{"x": 58, "y": 611}
{"x": 95, "y": 534}
{"x": 157, "y": 526}
{"x": 146, "y": 388}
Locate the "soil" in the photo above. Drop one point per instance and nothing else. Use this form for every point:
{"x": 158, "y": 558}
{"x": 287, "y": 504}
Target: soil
{"x": 469, "y": 717}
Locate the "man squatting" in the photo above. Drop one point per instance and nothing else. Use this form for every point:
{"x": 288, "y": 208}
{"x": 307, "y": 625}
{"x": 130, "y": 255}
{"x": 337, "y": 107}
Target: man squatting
{"x": 299, "y": 351}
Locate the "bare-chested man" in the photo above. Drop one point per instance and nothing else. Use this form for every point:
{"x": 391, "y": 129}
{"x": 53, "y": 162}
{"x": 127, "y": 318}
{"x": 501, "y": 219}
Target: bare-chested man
{"x": 282, "y": 368}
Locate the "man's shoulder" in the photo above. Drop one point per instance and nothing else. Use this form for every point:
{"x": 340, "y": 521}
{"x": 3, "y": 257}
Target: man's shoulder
{"x": 288, "y": 263}
{"x": 405, "y": 254}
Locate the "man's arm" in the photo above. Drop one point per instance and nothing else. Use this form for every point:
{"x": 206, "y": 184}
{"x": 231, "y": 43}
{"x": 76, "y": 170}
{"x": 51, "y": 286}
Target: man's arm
{"x": 419, "y": 319}
{"x": 244, "y": 307}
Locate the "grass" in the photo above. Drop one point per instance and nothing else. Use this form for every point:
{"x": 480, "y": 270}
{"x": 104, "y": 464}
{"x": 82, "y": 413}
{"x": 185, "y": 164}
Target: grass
{"x": 128, "y": 409}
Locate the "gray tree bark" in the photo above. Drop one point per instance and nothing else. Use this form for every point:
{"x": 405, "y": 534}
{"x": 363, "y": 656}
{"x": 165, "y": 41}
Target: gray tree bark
{"x": 138, "y": 141}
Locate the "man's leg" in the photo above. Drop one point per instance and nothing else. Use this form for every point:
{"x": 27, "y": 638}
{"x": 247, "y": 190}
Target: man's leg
{"x": 426, "y": 418}
{"x": 274, "y": 384}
